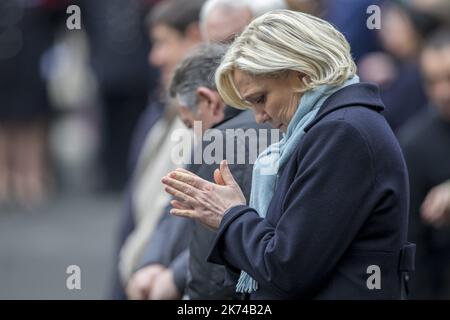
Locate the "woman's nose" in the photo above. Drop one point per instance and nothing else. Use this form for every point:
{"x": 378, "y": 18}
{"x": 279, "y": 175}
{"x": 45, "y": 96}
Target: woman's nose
{"x": 260, "y": 117}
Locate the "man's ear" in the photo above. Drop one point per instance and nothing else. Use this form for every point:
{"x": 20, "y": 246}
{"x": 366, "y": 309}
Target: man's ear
{"x": 203, "y": 96}
{"x": 212, "y": 100}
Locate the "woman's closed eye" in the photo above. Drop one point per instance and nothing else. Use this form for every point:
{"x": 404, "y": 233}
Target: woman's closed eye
{"x": 261, "y": 99}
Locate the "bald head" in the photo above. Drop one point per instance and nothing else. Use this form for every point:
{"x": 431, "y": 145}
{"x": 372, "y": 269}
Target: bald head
{"x": 222, "y": 22}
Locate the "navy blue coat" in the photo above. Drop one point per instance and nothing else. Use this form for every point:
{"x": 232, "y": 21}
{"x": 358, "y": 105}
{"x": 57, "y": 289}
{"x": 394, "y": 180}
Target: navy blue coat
{"x": 341, "y": 206}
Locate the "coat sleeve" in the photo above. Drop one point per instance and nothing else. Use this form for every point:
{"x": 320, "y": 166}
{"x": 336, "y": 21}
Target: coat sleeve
{"x": 323, "y": 210}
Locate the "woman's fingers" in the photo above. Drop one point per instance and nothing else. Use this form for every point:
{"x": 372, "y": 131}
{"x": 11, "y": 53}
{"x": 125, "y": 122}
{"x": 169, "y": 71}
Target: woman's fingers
{"x": 185, "y": 171}
{"x": 179, "y": 205}
{"x": 184, "y": 198}
{"x": 218, "y": 177}
{"x": 226, "y": 174}
{"x": 180, "y": 186}
{"x": 189, "y": 178}
{"x": 188, "y": 213}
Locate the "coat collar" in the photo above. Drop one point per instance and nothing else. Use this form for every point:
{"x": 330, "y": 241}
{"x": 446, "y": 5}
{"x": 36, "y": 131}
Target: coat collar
{"x": 229, "y": 113}
{"x": 358, "y": 94}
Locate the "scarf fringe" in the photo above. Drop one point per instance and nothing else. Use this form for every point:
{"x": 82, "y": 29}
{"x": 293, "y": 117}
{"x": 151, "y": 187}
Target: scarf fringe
{"x": 246, "y": 284}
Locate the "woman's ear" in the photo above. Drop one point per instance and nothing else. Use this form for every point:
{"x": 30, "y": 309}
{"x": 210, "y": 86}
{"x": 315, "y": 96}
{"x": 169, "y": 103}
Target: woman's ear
{"x": 299, "y": 80}
{"x": 300, "y": 76}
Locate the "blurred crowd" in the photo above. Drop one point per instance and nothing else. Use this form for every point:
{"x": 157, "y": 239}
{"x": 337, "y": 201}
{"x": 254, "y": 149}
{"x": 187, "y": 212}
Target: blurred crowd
{"x": 95, "y": 108}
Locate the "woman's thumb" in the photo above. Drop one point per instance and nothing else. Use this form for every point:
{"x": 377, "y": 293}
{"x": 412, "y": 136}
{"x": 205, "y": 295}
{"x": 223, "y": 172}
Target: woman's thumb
{"x": 226, "y": 173}
{"x": 218, "y": 177}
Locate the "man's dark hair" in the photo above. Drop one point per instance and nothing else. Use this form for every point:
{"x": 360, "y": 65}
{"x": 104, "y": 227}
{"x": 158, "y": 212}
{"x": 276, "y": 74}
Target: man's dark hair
{"x": 177, "y": 14}
{"x": 196, "y": 70}
{"x": 439, "y": 40}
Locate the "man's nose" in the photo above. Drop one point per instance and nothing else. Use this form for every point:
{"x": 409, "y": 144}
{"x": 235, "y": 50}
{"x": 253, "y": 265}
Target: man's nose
{"x": 155, "y": 58}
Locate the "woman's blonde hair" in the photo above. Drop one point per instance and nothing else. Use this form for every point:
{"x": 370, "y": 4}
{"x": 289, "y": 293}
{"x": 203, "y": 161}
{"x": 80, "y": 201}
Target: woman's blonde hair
{"x": 281, "y": 41}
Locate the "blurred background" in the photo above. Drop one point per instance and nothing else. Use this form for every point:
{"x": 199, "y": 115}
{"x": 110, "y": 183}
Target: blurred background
{"x": 76, "y": 104}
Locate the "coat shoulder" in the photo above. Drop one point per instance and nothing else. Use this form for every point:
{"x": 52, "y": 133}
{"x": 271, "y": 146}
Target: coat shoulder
{"x": 362, "y": 128}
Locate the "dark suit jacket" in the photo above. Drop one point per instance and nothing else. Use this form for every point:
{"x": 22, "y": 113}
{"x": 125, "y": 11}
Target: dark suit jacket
{"x": 426, "y": 144}
{"x": 203, "y": 280}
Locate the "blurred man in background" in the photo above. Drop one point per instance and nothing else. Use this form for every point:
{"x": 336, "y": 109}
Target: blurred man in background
{"x": 222, "y": 20}
{"x": 426, "y": 145}
{"x": 348, "y": 16}
{"x": 173, "y": 28}
{"x": 396, "y": 68}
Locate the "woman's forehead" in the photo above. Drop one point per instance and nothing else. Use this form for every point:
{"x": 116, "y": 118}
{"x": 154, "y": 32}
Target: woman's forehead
{"x": 245, "y": 82}
{"x": 242, "y": 78}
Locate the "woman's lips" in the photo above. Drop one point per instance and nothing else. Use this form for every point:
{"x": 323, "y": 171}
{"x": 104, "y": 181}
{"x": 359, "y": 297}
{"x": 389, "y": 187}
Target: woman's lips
{"x": 276, "y": 126}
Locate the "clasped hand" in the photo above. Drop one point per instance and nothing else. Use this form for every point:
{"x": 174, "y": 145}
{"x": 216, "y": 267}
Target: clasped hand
{"x": 202, "y": 200}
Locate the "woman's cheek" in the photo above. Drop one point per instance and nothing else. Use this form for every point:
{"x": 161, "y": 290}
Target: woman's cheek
{"x": 282, "y": 114}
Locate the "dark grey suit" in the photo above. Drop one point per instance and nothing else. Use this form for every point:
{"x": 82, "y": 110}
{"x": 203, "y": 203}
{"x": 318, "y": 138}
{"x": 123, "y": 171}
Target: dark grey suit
{"x": 183, "y": 244}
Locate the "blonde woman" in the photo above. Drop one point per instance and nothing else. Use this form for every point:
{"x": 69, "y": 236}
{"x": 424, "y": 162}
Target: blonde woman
{"x": 327, "y": 215}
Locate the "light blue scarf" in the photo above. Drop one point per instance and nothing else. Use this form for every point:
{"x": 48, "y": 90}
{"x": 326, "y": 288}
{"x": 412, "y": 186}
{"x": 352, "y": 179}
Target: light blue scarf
{"x": 270, "y": 162}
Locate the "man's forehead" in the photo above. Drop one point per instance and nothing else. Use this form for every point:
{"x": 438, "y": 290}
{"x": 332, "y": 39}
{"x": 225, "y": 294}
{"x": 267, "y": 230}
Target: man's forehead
{"x": 163, "y": 30}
